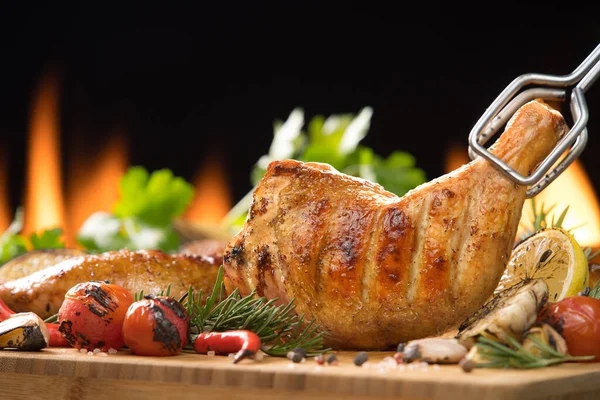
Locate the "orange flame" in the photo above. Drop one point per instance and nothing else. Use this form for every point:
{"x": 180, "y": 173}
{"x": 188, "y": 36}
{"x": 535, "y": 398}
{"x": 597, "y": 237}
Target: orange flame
{"x": 44, "y": 207}
{"x": 572, "y": 188}
{"x": 93, "y": 183}
{"x": 456, "y": 157}
{"x": 212, "y": 197}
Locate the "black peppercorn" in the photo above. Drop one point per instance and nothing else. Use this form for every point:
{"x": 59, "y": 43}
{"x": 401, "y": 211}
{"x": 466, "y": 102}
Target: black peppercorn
{"x": 332, "y": 359}
{"x": 361, "y": 358}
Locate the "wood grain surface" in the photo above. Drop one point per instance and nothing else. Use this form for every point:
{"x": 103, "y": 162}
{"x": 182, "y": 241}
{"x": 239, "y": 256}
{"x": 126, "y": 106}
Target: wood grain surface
{"x": 69, "y": 374}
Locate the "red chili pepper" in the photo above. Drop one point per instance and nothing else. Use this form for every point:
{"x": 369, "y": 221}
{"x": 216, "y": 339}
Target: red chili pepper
{"x": 55, "y": 338}
{"x": 242, "y": 342}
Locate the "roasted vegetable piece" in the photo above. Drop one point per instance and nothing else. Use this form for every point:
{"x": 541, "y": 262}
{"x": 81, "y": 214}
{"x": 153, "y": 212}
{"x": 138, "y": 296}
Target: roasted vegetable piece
{"x": 23, "y": 331}
{"x": 241, "y": 342}
{"x": 34, "y": 261}
{"x": 509, "y": 313}
{"x": 92, "y": 315}
{"x": 156, "y": 326}
{"x": 577, "y": 320}
{"x": 56, "y": 339}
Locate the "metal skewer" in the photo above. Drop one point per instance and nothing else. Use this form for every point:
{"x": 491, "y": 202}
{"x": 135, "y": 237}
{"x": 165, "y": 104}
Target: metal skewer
{"x": 551, "y": 87}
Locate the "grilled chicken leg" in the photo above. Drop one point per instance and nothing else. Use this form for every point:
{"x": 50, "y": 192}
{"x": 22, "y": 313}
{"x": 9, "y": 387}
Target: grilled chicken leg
{"x": 151, "y": 271}
{"x": 375, "y": 269}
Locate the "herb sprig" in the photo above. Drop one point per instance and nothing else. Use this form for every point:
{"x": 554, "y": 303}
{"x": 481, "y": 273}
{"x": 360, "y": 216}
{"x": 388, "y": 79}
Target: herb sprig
{"x": 143, "y": 216}
{"x": 514, "y": 355}
{"x": 542, "y": 218}
{"x": 279, "y": 327}
{"x": 13, "y": 243}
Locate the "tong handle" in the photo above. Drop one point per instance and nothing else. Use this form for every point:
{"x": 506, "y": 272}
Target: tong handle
{"x": 501, "y": 110}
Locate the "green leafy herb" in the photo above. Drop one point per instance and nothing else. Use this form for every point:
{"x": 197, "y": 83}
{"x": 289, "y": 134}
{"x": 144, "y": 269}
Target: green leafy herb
{"x": 142, "y": 217}
{"x": 334, "y": 140}
{"x": 278, "y": 326}
{"x": 14, "y": 244}
{"x": 514, "y": 355}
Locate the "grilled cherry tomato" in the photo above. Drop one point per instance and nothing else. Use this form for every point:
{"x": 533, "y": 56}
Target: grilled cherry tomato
{"x": 577, "y": 319}
{"x": 92, "y": 315}
{"x": 156, "y": 326}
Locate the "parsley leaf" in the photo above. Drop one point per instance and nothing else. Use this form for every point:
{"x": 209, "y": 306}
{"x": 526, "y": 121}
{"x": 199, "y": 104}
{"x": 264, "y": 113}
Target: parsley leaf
{"x": 14, "y": 244}
{"x": 48, "y": 239}
{"x": 143, "y": 216}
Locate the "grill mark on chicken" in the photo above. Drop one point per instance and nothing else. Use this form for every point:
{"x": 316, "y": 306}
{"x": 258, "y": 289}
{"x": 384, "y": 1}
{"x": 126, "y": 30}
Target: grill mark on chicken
{"x": 417, "y": 262}
{"x": 393, "y": 257}
{"x": 459, "y": 243}
{"x": 372, "y": 263}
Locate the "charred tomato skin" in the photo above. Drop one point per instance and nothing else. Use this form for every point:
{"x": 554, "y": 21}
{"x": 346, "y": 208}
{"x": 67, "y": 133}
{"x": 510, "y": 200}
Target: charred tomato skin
{"x": 577, "y": 319}
{"x": 156, "y": 326}
{"x": 92, "y": 315}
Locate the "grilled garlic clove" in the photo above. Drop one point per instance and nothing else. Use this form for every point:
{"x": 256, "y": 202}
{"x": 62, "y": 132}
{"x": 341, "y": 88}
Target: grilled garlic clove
{"x": 545, "y": 334}
{"x": 434, "y": 351}
{"x": 509, "y": 313}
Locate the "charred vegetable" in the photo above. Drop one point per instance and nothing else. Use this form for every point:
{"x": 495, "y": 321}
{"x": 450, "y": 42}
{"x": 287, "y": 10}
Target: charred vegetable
{"x": 241, "y": 342}
{"x": 23, "y": 331}
{"x": 92, "y": 315}
{"x": 433, "y": 351}
{"x": 55, "y": 338}
{"x": 156, "y": 326}
{"x": 509, "y": 313}
{"x": 34, "y": 261}
{"x": 577, "y": 319}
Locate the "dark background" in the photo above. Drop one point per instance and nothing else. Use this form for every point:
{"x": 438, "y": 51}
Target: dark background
{"x": 209, "y": 78}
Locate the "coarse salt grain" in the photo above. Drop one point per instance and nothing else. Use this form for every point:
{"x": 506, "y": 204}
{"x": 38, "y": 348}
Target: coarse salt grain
{"x": 210, "y": 353}
{"x": 231, "y": 355}
{"x": 390, "y": 362}
{"x": 90, "y": 353}
{"x": 97, "y": 350}
{"x": 112, "y": 351}
{"x": 103, "y": 354}
{"x": 83, "y": 351}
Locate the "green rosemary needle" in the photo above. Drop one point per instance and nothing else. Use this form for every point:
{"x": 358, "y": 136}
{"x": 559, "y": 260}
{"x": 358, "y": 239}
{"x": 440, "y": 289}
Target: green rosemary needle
{"x": 279, "y": 327}
{"x": 513, "y": 355}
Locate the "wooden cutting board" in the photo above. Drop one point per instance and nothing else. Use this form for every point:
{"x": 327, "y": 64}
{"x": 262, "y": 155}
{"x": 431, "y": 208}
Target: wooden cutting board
{"x": 57, "y": 373}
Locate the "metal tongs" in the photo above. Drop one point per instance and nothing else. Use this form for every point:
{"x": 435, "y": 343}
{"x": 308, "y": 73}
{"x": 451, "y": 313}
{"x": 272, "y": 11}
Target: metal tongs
{"x": 550, "y": 87}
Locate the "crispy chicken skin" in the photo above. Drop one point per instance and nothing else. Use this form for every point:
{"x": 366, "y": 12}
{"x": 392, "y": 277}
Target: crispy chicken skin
{"x": 375, "y": 269}
{"x": 151, "y": 271}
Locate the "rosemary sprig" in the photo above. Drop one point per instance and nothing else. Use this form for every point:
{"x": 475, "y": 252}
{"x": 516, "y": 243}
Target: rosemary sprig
{"x": 51, "y": 319}
{"x": 539, "y": 221}
{"x": 278, "y": 326}
{"x": 513, "y": 355}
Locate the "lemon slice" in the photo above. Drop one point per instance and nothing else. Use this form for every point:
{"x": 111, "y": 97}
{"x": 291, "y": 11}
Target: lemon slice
{"x": 552, "y": 254}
